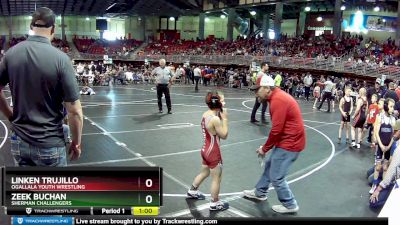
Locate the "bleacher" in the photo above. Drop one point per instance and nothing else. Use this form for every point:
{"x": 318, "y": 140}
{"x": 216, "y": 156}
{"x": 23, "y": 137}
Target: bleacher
{"x": 210, "y": 46}
{"x": 16, "y": 40}
{"x": 104, "y": 47}
{"x": 83, "y": 44}
{"x": 62, "y": 45}
{"x": 58, "y": 43}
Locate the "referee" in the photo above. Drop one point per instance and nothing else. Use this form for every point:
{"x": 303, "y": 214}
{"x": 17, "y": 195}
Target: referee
{"x": 164, "y": 78}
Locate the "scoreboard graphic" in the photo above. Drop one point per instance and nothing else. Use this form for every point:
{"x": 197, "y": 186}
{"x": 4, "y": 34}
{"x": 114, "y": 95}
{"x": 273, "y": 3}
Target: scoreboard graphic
{"x": 82, "y": 191}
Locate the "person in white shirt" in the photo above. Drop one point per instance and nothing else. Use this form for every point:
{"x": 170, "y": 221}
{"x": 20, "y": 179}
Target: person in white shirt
{"x": 257, "y": 104}
{"x": 327, "y": 94}
{"x": 87, "y": 91}
{"x": 129, "y": 76}
{"x": 197, "y": 76}
{"x": 164, "y": 78}
{"x": 79, "y": 69}
{"x": 307, "y": 85}
{"x": 178, "y": 72}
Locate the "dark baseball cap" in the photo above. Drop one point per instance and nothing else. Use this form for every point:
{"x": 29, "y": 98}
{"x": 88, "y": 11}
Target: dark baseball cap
{"x": 43, "y": 17}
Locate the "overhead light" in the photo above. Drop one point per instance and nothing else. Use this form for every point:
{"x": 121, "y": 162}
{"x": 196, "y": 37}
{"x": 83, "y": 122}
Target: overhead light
{"x": 111, "y": 6}
{"x": 343, "y": 8}
{"x": 376, "y": 9}
{"x": 308, "y": 9}
{"x": 223, "y": 16}
{"x": 87, "y": 19}
{"x": 111, "y": 36}
{"x": 139, "y": 18}
{"x": 207, "y": 19}
{"x": 384, "y": 20}
{"x": 271, "y": 34}
{"x": 108, "y": 19}
{"x": 207, "y": 12}
{"x": 253, "y": 13}
{"x": 319, "y": 18}
{"x": 172, "y": 18}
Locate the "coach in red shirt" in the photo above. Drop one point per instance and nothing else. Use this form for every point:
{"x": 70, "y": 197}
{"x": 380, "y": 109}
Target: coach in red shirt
{"x": 286, "y": 140}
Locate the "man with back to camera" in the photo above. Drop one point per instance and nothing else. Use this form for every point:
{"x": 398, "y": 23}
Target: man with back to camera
{"x": 41, "y": 78}
{"x": 257, "y": 103}
{"x": 286, "y": 140}
{"x": 164, "y": 78}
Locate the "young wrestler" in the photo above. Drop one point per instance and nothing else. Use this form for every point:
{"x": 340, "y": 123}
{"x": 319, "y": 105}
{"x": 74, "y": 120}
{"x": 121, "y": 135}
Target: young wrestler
{"x": 317, "y": 94}
{"x": 345, "y": 108}
{"x": 214, "y": 125}
{"x": 359, "y": 118}
{"x": 384, "y": 127}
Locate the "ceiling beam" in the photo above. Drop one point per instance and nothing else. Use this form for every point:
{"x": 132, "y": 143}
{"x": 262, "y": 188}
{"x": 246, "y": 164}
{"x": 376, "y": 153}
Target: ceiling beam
{"x": 173, "y": 6}
{"x": 9, "y": 6}
{"x": 90, "y": 8}
{"x": 64, "y": 7}
{"x": 199, "y": 3}
{"x": 77, "y": 7}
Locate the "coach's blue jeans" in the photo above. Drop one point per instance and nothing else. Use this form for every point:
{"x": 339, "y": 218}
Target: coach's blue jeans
{"x": 28, "y": 155}
{"x": 275, "y": 171}
{"x": 67, "y": 132}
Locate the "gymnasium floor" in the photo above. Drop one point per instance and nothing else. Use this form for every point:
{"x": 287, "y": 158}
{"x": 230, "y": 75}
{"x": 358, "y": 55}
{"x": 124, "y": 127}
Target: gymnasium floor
{"x": 122, "y": 127}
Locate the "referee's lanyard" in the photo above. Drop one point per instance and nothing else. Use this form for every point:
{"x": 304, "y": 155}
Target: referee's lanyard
{"x": 164, "y": 77}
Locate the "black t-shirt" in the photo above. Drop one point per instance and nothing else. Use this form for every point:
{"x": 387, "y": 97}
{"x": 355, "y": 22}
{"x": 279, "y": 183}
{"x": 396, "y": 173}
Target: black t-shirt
{"x": 41, "y": 78}
{"x": 397, "y": 106}
{"x": 391, "y": 94}
{"x": 372, "y": 91}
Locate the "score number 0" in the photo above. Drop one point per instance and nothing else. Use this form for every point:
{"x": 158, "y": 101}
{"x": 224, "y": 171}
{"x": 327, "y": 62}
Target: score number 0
{"x": 149, "y": 184}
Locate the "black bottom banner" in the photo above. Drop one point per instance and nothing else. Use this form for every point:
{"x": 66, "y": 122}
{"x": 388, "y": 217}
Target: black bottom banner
{"x": 223, "y": 221}
{"x": 63, "y": 220}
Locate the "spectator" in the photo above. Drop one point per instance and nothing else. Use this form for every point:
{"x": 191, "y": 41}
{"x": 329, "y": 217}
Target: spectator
{"x": 48, "y": 73}
{"x": 391, "y": 92}
{"x": 307, "y": 85}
